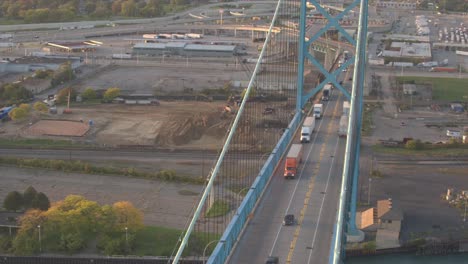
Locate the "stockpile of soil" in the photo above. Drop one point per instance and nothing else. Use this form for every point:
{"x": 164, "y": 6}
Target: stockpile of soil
{"x": 182, "y": 130}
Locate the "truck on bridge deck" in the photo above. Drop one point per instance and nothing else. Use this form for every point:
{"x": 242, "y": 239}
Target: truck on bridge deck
{"x": 293, "y": 159}
{"x": 307, "y": 129}
{"x": 318, "y": 109}
{"x": 346, "y": 107}
{"x": 343, "y": 129}
{"x": 326, "y": 94}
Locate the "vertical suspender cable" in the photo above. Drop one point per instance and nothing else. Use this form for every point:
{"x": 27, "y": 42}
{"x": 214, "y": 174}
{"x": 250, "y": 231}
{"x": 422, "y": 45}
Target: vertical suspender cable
{"x": 225, "y": 148}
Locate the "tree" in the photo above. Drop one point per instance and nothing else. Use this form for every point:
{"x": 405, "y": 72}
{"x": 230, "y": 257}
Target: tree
{"x": 41, "y": 202}
{"x": 128, "y": 8}
{"x": 13, "y": 93}
{"x": 62, "y": 95}
{"x": 42, "y": 74}
{"x": 127, "y": 216}
{"x": 26, "y": 107}
{"x": 111, "y": 93}
{"x": 414, "y": 144}
{"x": 252, "y": 93}
{"x": 63, "y": 74}
{"x": 26, "y": 242}
{"x": 40, "y": 107}
{"x": 13, "y": 201}
{"x": 89, "y": 94}
{"x": 28, "y": 196}
{"x": 18, "y": 114}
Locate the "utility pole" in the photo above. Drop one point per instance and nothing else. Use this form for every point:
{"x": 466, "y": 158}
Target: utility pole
{"x": 369, "y": 191}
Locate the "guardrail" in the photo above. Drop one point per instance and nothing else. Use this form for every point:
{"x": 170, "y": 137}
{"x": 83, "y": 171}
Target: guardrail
{"x": 244, "y": 212}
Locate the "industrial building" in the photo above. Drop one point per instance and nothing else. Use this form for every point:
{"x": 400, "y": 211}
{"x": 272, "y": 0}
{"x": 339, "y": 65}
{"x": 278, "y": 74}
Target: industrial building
{"x": 33, "y": 63}
{"x": 83, "y": 46}
{"x": 406, "y": 5}
{"x": 184, "y": 49}
{"x": 404, "y": 50}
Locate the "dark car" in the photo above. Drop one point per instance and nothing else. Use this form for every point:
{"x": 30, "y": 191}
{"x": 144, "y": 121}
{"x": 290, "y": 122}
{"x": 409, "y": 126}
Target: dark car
{"x": 272, "y": 260}
{"x": 289, "y": 220}
{"x": 268, "y": 111}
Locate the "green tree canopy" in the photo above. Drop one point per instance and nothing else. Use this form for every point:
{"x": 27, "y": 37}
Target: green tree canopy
{"x": 40, "y": 107}
{"x": 71, "y": 224}
{"x": 18, "y": 114}
{"x": 62, "y": 95}
{"x": 111, "y": 93}
{"x": 41, "y": 202}
{"x": 28, "y": 196}
{"x": 89, "y": 94}
{"x": 26, "y": 107}
{"x": 13, "y": 201}
{"x": 63, "y": 74}
{"x": 12, "y": 93}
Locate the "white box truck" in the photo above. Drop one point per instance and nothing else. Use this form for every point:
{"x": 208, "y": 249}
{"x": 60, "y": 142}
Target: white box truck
{"x": 326, "y": 93}
{"x": 343, "y": 129}
{"x": 307, "y": 129}
{"x": 318, "y": 109}
{"x": 346, "y": 108}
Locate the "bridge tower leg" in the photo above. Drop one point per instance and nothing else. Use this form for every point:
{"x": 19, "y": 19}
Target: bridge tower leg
{"x": 346, "y": 220}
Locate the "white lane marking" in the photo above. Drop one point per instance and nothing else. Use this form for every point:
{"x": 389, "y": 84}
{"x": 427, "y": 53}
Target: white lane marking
{"x": 323, "y": 200}
{"x": 297, "y": 183}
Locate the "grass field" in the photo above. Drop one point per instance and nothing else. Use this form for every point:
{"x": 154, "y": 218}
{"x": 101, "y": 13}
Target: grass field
{"x": 444, "y": 89}
{"x": 161, "y": 241}
{"x": 219, "y": 208}
{"x": 426, "y": 152}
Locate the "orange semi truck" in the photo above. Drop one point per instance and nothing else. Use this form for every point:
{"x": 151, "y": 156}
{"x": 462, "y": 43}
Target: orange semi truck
{"x": 293, "y": 159}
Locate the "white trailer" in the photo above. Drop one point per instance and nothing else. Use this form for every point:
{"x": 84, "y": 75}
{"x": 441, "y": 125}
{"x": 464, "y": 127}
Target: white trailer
{"x": 150, "y": 36}
{"x": 194, "y": 35}
{"x": 318, "y": 110}
{"x": 307, "y": 129}
{"x": 343, "y": 129}
{"x": 346, "y": 107}
{"x": 122, "y": 56}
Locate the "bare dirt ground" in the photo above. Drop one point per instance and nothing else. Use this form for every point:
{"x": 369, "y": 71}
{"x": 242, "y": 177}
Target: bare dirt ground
{"x": 136, "y": 79}
{"x": 58, "y": 128}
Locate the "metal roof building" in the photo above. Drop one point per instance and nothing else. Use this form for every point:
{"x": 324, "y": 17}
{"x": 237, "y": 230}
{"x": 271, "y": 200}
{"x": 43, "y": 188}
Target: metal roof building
{"x": 185, "y": 49}
{"x": 196, "y": 50}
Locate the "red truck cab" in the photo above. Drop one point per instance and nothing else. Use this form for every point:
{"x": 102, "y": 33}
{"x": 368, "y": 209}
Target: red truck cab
{"x": 293, "y": 159}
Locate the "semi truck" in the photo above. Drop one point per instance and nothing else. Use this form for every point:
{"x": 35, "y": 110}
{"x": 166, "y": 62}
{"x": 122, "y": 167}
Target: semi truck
{"x": 343, "y": 129}
{"x": 346, "y": 108}
{"x": 318, "y": 108}
{"x": 326, "y": 92}
{"x": 307, "y": 129}
{"x": 293, "y": 159}
{"x": 443, "y": 69}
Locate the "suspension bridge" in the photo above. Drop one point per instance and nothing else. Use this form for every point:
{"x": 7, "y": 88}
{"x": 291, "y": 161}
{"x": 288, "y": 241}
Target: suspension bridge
{"x": 323, "y": 194}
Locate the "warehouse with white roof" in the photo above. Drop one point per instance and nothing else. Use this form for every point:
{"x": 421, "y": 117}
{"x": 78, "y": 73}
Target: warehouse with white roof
{"x": 185, "y": 49}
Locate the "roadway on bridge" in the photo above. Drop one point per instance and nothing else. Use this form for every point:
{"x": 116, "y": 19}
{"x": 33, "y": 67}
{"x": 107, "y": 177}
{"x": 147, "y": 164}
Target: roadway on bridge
{"x": 312, "y": 197}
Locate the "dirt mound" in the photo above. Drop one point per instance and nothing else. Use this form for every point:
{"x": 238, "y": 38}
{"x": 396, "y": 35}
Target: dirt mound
{"x": 179, "y": 131}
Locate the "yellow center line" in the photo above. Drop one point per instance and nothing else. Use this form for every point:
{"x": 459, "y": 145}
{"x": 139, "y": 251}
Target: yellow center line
{"x": 311, "y": 186}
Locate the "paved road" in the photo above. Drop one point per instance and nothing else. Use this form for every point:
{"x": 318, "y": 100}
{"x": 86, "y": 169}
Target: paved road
{"x": 195, "y": 10}
{"x": 312, "y": 198}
